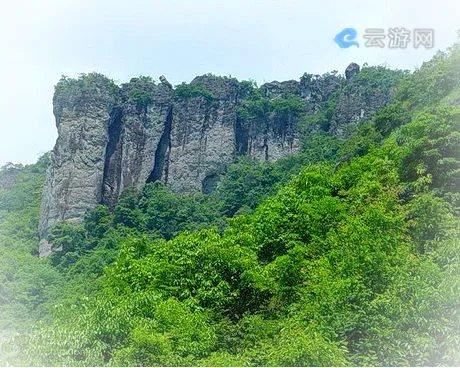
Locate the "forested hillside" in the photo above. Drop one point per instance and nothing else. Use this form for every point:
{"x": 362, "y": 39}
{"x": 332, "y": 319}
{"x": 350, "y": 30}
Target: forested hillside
{"x": 344, "y": 254}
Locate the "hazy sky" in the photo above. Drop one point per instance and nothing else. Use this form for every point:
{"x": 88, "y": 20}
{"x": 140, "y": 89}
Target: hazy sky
{"x": 263, "y": 40}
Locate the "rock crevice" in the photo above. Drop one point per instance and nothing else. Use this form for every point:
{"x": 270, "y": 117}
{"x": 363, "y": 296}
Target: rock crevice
{"x": 164, "y": 144}
{"x": 112, "y": 137}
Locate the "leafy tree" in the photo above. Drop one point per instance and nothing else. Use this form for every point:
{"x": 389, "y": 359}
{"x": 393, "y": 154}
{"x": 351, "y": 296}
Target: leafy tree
{"x": 345, "y": 254}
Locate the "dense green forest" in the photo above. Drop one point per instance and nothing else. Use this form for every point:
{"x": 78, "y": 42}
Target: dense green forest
{"x": 344, "y": 254}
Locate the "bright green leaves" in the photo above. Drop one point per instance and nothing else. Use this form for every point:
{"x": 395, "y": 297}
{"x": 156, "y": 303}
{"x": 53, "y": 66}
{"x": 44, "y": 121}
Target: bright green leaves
{"x": 260, "y": 114}
{"x": 173, "y": 336}
{"x": 26, "y": 282}
{"x": 200, "y": 267}
{"x": 161, "y": 213}
{"x": 432, "y": 141}
{"x": 389, "y": 117}
{"x": 301, "y": 211}
{"x": 434, "y": 80}
{"x": 353, "y": 261}
{"x": 138, "y": 328}
{"x": 186, "y": 91}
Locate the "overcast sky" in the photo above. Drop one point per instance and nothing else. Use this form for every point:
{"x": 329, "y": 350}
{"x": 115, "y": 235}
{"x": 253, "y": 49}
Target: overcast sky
{"x": 262, "y": 40}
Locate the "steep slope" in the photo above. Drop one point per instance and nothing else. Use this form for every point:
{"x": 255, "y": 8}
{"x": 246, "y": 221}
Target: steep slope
{"x": 354, "y": 261}
{"x": 111, "y": 138}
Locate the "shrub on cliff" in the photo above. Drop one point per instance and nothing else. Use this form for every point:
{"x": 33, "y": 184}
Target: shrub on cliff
{"x": 185, "y": 91}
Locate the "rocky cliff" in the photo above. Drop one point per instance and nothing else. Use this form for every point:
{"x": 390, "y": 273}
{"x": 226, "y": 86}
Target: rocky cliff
{"x": 112, "y": 137}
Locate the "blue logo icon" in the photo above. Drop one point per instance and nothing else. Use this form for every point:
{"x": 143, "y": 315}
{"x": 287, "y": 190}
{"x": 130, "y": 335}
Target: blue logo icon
{"x": 346, "y": 38}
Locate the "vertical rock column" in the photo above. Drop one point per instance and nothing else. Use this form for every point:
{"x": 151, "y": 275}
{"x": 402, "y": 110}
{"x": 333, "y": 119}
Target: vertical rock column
{"x": 82, "y": 109}
{"x": 202, "y": 138}
{"x": 135, "y": 136}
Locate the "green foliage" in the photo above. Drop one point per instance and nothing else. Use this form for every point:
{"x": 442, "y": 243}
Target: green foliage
{"x": 248, "y": 90}
{"x": 141, "y": 98}
{"x": 285, "y": 107}
{"x": 257, "y": 114}
{"x": 141, "y": 92}
{"x": 85, "y": 83}
{"x": 321, "y": 146}
{"x": 390, "y": 117}
{"x": 317, "y": 120}
{"x": 432, "y": 141}
{"x": 254, "y": 113}
{"x": 434, "y": 80}
{"x": 26, "y": 282}
{"x": 67, "y": 239}
{"x": 247, "y": 182}
{"x": 365, "y": 138}
{"x": 186, "y": 91}
{"x": 345, "y": 254}
{"x": 161, "y": 213}
{"x": 98, "y": 221}
{"x": 296, "y": 345}
{"x": 375, "y": 79}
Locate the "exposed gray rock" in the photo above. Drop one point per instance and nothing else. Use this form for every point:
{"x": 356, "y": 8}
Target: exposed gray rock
{"x": 135, "y": 133}
{"x": 278, "y": 137}
{"x": 271, "y": 148}
{"x": 74, "y": 179}
{"x": 111, "y": 138}
{"x": 351, "y": 70}
{"x": 357, "y": 101}
{"x": 202, "y": 138}
{"x": 278, "y": 89}
{"x": 318, "y": 88}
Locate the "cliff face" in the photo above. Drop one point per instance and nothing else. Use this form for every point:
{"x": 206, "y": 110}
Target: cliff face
{"x": 202, "y": 136}
{"x": 113, "y": 137}
{"x": 135, "y": 135}
{"x": 75, "y": 176}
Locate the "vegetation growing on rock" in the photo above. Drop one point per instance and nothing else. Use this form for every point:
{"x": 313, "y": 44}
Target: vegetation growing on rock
{"x": 344, "y": 254}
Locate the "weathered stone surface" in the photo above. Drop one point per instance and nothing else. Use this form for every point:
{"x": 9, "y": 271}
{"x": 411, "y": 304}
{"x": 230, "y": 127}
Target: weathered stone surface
{"x": 318, "y": 88}
{"x": 278, "y": 138}
{"x": 278, "y": 89}
{"x": 357, "y": 103}
{"x": 272, "y": 148}
{"x": 114, "y": 137}
{"x": 74, "y": 179}
{"x": 202, "y": 138}
{"x": 351, "y": 70}
{"x": 135, "y": 135}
